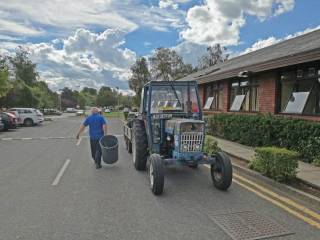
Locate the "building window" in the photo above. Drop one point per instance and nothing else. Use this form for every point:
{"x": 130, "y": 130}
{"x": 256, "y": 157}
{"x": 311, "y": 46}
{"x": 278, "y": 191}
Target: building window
{"x": 300, "y": 91}
{"x": 244, "y": 96}
{"x": 213, "y": 97}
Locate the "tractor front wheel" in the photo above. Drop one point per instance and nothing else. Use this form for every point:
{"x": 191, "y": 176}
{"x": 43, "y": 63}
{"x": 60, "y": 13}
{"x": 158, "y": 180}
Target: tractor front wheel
{"x": 139, "y": 145}
{"x": 221, "y": 172}
{"x": 156, "y": 173}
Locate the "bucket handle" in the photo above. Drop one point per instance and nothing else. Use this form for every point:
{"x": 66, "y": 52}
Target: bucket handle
{"x": 110, "y": 147}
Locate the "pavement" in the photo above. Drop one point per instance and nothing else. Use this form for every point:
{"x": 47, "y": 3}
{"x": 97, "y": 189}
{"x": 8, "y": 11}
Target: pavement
{"x": 306, "y": 172}
{"x": 50, "y": 189}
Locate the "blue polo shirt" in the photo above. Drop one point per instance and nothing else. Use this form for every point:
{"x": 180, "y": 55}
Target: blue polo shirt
{"x": 95, "y": 123}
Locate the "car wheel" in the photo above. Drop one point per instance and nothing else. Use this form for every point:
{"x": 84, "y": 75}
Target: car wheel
{"x": 28, "y": 122}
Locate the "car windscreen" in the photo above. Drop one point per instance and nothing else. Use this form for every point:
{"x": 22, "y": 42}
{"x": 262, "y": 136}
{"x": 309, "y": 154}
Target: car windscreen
{"x": 173, "y": 98}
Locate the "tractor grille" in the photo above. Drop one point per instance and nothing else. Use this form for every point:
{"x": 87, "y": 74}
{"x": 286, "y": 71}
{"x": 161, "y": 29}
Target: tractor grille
{"x": 191, "y": 141}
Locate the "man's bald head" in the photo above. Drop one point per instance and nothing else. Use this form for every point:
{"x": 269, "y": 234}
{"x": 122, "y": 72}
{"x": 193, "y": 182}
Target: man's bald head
{"x": 95, "y": 110}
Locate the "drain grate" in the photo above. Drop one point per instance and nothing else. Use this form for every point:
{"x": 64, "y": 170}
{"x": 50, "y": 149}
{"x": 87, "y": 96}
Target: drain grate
{"x": 249, "y": 226}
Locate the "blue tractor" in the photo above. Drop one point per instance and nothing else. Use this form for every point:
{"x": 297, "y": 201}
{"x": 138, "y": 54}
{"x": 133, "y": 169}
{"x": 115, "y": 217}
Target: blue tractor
{"x": 169, "y": 130}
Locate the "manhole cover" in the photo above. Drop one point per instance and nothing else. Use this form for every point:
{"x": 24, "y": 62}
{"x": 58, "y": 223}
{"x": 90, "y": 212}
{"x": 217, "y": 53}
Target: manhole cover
{"x": 249, "y": 226}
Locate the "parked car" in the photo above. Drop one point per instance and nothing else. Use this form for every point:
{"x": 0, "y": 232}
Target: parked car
{"x": 17, "y": 115}
{"x": 80, "y": 112}
{"x": 71, "y": 110}
{"x": 9, "y": 120}
{"x": 51, "y": 112}
{"x": 1, "y": 124}
{"x": 29, "y": 116}
{"x": 107, "y": 110}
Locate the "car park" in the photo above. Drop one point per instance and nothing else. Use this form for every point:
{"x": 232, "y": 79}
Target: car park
{"x": 107, "y": 110}
{"x": 29, "y": 116}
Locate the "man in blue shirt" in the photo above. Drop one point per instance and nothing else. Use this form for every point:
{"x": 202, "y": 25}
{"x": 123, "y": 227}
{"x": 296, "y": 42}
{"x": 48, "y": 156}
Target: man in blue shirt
{"x": 97, "y": 129}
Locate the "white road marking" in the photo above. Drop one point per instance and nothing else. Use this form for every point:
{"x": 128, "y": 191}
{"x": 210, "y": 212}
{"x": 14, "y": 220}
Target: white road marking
{"x": 6, "y": 139}
{"x": 61, "y": 172}
{"x": 26, "y": 138}
{"x": 79, "y": 141}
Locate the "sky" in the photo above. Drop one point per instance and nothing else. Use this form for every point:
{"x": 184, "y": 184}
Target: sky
{"x": 78, "y": 43}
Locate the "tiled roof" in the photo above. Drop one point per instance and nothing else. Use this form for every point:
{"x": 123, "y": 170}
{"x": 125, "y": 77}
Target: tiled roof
{"x": 296, "y": 50}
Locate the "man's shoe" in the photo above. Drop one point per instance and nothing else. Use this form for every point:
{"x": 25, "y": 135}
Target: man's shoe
{"x": 98, "y": 166}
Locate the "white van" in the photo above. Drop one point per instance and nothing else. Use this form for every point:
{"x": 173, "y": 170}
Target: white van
{"x": 29, "y": 116}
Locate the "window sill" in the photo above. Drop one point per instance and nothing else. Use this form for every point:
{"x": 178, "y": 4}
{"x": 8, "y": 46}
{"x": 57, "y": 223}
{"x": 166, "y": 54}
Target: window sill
{"x": 256, "y": 112}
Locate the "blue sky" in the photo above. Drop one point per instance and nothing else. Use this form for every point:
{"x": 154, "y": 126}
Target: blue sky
{"x": 79, "y": 43}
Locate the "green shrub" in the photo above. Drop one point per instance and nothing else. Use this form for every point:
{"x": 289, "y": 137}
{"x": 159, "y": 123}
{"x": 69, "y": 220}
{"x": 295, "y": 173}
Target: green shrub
{"x": 267, "y": 130}
{"x": 316, "y": 162}
{"x": 279, "y": 164}
{"x": 210, "y": 145}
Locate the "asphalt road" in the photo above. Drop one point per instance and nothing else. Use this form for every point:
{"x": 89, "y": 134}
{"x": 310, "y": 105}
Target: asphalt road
{"x": 113, "y": 202}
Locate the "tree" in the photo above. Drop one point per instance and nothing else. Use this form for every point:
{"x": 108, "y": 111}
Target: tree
{"x": 68, "y": 98}
{"x": 167, "y": 65}
{"x": 5, "y": 85}
{"x": 140, "y": 75}
{"x": 106, "y": 97}
{"x": 25, "y": 69}
{"x": 215, "y": 54}
{"x": 46, "y": 98}
{"x": 89, "y": 95}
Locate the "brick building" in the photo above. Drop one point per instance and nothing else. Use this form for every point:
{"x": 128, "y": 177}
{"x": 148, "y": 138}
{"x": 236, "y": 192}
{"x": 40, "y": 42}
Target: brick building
{"x": 282, "y": 79}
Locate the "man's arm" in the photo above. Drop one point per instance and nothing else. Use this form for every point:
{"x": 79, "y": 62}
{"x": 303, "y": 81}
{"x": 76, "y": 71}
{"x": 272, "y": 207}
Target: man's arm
{"x": 105, "y": 129}
{"x": 81, "y": 129}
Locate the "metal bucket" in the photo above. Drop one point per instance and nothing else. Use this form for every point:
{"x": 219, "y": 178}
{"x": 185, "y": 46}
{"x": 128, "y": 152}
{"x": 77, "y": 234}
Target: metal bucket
{"x": 109, "y": 148}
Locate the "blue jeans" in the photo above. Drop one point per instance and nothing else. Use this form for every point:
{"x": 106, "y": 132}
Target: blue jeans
{"x": 95, "y": 151}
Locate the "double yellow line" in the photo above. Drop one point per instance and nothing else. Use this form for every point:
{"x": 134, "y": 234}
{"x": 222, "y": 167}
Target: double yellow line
{"x": 285, "y": 203}
{"x": 292, "y": 207}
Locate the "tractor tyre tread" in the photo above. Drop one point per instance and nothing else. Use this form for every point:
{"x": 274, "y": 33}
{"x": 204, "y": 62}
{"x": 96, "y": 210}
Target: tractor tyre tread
{"x": 158, "y": 173}
{"x": 141, "y": 145}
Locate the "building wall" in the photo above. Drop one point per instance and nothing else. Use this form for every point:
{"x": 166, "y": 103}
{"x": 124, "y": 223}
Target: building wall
{"x": 268, "y": 94}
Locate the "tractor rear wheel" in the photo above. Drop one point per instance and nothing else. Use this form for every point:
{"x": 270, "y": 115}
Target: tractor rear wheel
{"x": 139, "y": 145}
{"x": 156, "y": 173}
{"x": 221, "y": 171}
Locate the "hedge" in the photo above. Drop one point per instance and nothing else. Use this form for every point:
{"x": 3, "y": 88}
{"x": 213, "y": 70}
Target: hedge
{"x": 279, "y": 164}
{"x": 267, "y": 130}
{"x": 210, "y": 145}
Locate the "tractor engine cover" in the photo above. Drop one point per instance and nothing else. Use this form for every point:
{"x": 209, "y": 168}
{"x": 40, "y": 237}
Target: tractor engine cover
{"x": 188, "y": 134}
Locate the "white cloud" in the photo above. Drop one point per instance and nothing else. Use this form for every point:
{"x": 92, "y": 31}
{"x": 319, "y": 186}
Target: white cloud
{"x": 190, "y": 52}
{"x": 8, "y": 26}
{"x": 171, "y": 3}
{"x": 220, "y": 21}
{"x": 86, "y": 59}
{"x": 68, "y": 14}
{"x": 262, "y": 43}
{"x": 62, "y": 17}
{"x": 168, "y": 4}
